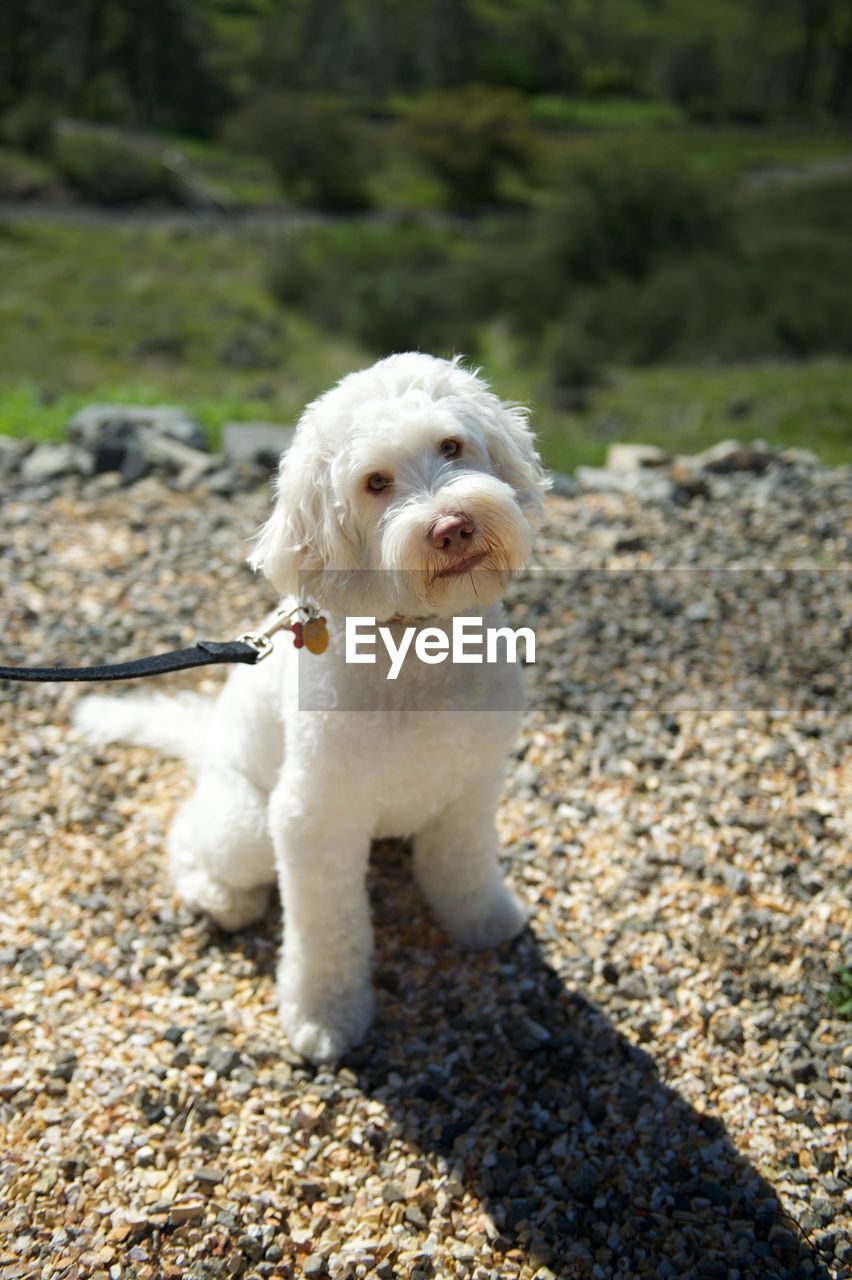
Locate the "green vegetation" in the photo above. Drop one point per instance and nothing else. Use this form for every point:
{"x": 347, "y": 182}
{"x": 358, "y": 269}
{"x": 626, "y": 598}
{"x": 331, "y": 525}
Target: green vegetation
{"x": 638, "y": 216}
{"x": 467, "y": 137}
{"x": 104, "y": 167}
{"x": 113, "y": 314}
{"x": 807, "y": 405}
{"x": 183, "y": 64}
{"x": 840, "y": 995}
{"x": 22, "y": 176}
{"x": 633, "y": 261}
{"x": 312, "y": 144}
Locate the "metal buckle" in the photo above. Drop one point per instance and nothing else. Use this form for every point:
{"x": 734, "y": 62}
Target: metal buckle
{"x": 261, "y": 639}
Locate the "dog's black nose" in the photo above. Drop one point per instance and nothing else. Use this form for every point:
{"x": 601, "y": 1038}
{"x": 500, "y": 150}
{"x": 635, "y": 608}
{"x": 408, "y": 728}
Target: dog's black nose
{"x": 452, "y": 533}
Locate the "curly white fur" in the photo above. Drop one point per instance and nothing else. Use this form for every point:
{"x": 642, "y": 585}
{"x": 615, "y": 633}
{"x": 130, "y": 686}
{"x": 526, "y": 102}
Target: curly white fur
{"x": 298, "y": 791}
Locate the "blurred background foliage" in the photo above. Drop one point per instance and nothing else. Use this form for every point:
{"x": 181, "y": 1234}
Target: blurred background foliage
{"x": 637, "y": 215}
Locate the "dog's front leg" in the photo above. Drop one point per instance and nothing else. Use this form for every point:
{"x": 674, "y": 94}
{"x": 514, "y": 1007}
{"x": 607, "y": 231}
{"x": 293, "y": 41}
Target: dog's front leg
{"x": 322, "y": 846}
{"x": 455, "y": 859}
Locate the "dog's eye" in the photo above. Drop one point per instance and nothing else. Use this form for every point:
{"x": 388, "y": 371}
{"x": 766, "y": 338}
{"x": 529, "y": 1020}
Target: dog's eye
{"x": 450, "y": 448}
{"x": 376, "y": 482}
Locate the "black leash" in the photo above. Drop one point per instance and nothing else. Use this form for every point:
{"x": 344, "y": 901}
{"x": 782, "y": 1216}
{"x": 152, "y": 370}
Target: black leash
{"x": 309, "y": 630}
{"x": 203, "y": 654}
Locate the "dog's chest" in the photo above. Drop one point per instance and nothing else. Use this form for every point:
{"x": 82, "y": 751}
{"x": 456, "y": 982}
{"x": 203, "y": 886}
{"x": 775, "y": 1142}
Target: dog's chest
{"x": 415, "y": 764}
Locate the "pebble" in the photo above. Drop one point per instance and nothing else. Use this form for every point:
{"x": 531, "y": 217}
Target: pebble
{"x": 676, "y": 820}
{"x": 223, "y": 1060}
{"x": 727, "y": 1029}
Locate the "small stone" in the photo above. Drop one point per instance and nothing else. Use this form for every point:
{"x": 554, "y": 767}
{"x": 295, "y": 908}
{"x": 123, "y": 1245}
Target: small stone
{"x": 314, "y": 1265}
{"x": 91, "y": 425}
{"x": 727, "y": 1029}
{"x": 583, "y": 1184}
{"x": 732, "y": 455}
{"x": 259, "y": 442}
{"x": 736, "y": 880}
{"x": 648, "y": 484}
{"x": 633, "y": 987}
{"x": 699, "y": 611}
{"x": 797, "y": 457}
{"x": 252, "y": 1248}
{"x": 525, "y": 777}
{"x": 65, "y": 1066}
{"x": 713, "y": 1269}
{"x": 783, "y": 1238}
{"x": 393, "y": 1193}
{"x": 693, "y": 859}
{"x": 181, "y": 1213}
{"x": 223, "y": 1060}
{"x": 632, "y": 457}
{"x": 52, "y": 461}
{"x": 713, "y": 1192}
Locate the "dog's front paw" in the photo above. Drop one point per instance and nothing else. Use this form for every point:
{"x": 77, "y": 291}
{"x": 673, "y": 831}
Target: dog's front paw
{"x": 322, "y": 1026}
{"x": 488, "y": 922}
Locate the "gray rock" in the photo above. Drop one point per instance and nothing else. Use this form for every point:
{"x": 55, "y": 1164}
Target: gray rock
{"x": 252, "y": 1248}
{"x": 736, "y": 880}
{"x": 91, "y": 425}
{"x": 692, "y": 858}
{"x": 161, "y": 450}
{"x": 633, "y": 987}
{"x": 649, "y": 484}
{"x": 223, "y": 482}
{"x": 732, "y": 455}
{"x": 727, "y": 1029}
{"x": 12, "y": 452}
{"x": 65, "y": 1066}
{"x": 51, "y": 461}
{"x": 260, "y": 442}
{"x": 526, "y": 777}
{"x": 563, "y": 485}
{"x": 799, "y": 457}
{"x": 633, "y": 457}
{"x": 698, "y": 611}
{"x": 583, "y": 1184}
{"x": 222, "y": 1059}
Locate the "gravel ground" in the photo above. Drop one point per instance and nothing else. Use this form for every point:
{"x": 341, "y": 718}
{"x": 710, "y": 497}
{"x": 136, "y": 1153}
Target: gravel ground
{"x": 650, "y": 1082}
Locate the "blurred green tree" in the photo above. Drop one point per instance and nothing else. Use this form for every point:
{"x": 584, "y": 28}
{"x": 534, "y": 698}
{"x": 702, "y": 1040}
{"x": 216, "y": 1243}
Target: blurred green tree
{"x": 312, "y": 142}
{"x": 469, "y": 136}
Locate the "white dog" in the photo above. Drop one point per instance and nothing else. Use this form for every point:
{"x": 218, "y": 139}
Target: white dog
{"x": 409, "y": 494}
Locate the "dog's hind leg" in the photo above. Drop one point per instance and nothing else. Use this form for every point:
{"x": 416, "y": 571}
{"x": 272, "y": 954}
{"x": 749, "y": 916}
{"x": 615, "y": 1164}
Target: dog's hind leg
{"x": 220, "y": 853}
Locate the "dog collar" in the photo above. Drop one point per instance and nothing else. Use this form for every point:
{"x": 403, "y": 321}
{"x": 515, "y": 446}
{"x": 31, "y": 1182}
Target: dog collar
{"x": 398, "y": 619}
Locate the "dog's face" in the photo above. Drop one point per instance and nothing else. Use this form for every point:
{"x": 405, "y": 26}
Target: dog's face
{"x": 410, "y": 489}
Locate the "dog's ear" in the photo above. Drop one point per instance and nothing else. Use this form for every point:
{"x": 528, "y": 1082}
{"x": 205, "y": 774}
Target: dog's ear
{"x": 305, "y": 533}
{"x": 511, "y": 448}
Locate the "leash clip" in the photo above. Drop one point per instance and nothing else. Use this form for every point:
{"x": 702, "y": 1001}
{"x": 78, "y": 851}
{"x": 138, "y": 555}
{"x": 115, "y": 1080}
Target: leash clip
{"x": 261, "y": 639}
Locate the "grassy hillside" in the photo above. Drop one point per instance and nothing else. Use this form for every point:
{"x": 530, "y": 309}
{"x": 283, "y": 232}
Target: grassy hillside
{"x": 180, "y": 316}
